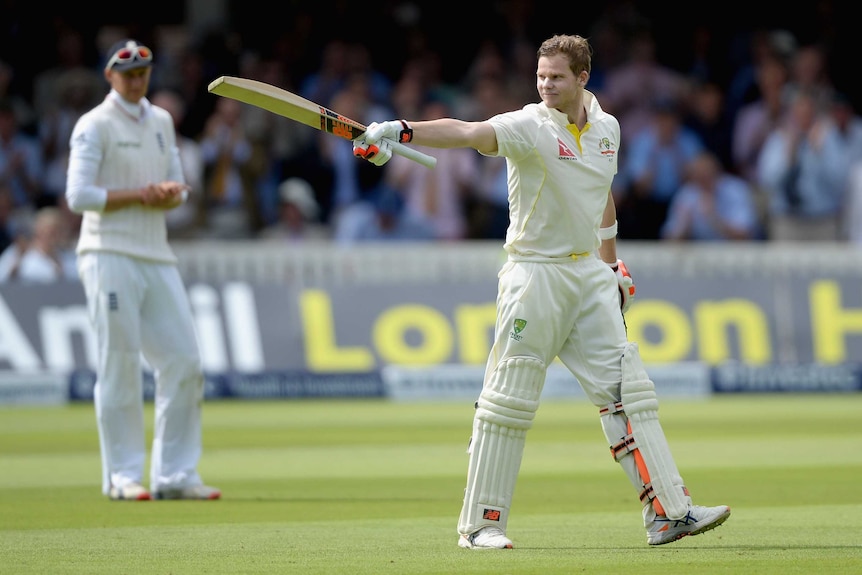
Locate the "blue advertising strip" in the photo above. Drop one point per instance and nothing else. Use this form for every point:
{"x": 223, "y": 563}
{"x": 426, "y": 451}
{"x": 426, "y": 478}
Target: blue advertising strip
{"x": 267, "y": 385}
{"x": 801, "y": 378}
{"x": 302, "y": 384}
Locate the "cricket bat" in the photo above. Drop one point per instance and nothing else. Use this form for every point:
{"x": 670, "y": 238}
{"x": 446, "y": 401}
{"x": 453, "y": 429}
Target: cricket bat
{"x": 280, "y": 101}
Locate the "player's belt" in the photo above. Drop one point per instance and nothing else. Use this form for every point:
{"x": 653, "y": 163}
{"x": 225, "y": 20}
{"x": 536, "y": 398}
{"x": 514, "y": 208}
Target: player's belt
{"x": 549, "y": 259}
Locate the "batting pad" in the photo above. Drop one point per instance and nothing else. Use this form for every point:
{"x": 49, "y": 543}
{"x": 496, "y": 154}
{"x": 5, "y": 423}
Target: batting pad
{"x": 640, "y": 404}
{"x": 504, "y": 412}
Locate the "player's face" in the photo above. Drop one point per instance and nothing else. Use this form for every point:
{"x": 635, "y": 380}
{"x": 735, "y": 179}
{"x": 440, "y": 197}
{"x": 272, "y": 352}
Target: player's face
{"x": 131, "y": 85}
{"x": 557, "y": 84}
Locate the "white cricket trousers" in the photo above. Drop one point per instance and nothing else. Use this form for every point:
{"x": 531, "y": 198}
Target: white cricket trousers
{"x": 546, "y": 309}
{"x": 573, "y": 313}
{"x": 138, "y": 307}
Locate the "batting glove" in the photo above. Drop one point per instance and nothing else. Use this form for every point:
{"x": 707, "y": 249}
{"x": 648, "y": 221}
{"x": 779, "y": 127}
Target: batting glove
{"x": 395, "y": 130}
{"x": 378, "y": 153}
{"x": 625, "y": 283}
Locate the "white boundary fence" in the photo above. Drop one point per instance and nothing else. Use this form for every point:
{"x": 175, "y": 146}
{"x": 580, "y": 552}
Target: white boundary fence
{"x": 314, "y": 264}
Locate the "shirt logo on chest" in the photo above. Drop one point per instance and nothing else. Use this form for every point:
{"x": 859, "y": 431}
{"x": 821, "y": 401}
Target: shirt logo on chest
{"x": 606, "y": 149}
{"x": 566, "y": 152}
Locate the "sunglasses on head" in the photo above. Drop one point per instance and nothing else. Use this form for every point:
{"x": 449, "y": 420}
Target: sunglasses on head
{"x": 127, "y": 54}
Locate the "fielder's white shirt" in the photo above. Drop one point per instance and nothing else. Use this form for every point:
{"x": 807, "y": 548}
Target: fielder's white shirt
{"x": 119, "y": 145}
{"x": 558, "y": 177}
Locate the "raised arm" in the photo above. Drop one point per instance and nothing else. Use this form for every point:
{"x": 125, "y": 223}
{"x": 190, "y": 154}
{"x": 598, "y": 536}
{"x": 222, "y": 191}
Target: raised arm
{"x": 375, "y": 144}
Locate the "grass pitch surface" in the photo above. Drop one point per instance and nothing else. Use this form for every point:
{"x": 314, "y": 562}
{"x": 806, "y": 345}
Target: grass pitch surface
{"x": 374, "y": 487}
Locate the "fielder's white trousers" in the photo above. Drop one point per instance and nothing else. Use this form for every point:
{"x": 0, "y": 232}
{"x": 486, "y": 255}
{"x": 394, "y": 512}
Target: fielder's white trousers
{"x": 138, "y": 307}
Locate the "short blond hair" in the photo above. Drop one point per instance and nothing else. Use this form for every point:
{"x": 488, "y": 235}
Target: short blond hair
{"x": 576, "y": 48}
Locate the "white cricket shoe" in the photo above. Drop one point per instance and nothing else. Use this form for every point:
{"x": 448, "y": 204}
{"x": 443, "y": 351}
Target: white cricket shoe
{"x": 202, "y": 492}
{"x": 698, "y": 520}
{"x": 129, "y": 492}
{"x": 485, "y": 538}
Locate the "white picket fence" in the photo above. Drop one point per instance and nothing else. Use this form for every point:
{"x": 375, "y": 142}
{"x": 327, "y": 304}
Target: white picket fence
{"x": 314, "y": 264}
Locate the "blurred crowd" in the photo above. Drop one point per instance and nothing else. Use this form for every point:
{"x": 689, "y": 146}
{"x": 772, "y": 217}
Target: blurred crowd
{"x": 758, "y": 144}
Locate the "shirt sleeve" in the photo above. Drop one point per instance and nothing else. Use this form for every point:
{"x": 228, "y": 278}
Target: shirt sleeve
{"x": 85, "y": 155}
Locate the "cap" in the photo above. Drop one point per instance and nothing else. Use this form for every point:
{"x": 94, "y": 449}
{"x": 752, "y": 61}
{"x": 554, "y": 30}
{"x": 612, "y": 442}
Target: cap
{"x": 127, "y": 55}
{"x": 299, "y": 192}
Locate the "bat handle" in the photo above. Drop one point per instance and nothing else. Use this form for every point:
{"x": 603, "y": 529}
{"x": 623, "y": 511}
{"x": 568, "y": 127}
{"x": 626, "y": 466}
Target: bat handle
{"x": 413, "y": 154}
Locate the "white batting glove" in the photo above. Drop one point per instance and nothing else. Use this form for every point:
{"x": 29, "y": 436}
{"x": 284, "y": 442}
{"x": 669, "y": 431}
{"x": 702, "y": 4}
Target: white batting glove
{"x": 626, "y": 284}
{"x": 378, "y": 153}
{"x": 395, "y": 130}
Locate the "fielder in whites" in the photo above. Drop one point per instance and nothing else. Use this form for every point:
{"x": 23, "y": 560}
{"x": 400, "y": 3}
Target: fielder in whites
{"x": 562, "y": 293}
{"x": 124, "y": 174}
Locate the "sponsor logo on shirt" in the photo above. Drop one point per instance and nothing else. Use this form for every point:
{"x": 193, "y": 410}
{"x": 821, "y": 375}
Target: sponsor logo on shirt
{"x": 566, "y": 153}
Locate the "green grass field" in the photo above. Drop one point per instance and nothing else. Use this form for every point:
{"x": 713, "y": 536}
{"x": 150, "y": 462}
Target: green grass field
{"x": 372, "y": 487}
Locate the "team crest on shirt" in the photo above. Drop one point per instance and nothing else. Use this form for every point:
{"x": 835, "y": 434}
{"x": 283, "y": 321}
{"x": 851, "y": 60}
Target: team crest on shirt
{"x": 566, "y": 152}
{"x": 518, "y": 326}
{"x": 606, "y": 149}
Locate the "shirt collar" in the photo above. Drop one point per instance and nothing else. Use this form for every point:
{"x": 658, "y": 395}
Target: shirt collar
{"x": 591, "y": 104}
{"x": 138, "y": 111}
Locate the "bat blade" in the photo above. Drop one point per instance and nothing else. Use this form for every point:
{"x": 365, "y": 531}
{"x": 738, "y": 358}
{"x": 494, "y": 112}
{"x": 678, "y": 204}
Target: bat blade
{"x": 284, "y": 103}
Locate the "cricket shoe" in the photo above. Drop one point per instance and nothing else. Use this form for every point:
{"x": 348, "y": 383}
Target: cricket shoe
{"x": 485, "y": 538}
{"x": 201, "y": 492}
{"x": 698, "y": 520}
{"x": 129, "y": 492}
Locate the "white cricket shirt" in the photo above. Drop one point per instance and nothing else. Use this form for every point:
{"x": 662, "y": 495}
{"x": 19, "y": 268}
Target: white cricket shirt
{"x": 117, "y": 145}
{"x": 558, "y": 178}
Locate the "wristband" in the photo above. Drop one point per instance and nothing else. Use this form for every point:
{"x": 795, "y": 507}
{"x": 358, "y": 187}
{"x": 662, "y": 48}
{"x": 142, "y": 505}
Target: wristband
{"x": 406, "y": 134}
{"x": 609, "y": 232}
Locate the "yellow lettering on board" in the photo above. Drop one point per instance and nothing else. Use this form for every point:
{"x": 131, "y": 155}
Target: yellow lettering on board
{"x": 675, "y": 341}
{"x": 475, "y": 328}
{"x": 436, "y": 334}
{"x": 831, "y": 323}
{"x": 714, "y": 319}
{"x": 321, "y": 350}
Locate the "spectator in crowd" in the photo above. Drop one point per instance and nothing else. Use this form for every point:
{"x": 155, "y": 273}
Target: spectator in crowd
{"x": 49, "y": 255}
{"x": 437, "y": 197}
{"x": 632, "y": 89}
{"x": 708, "y": 119}
{"x": 21, "y": 164}
{"x": 70, "y": 47}
{"x": 355, "y": 185}
{"x": 22, "y": 106}
{"x": 182, "y": 220}
{"x": 299, "y": 214}
{"x": 322, "y": 85}
{"x": 281, "y": 147}
{"x": 653, "y": 170}
{"x": 842, "y": 144}
{"x": 851, "y": 221}
{"x": 842, "y": 137}
{"x": 805, "y": 189}
{"x": 809, "y": 72}
{"x": 384, "y": 218}
{"x": 7, "y": 217}
{"x": 711, "y": 205}
{"x": 756, "y": 51}
{"x": 229, "y": 206}
{"x": 75, "y": 96}
{"x": 756, "y": 119}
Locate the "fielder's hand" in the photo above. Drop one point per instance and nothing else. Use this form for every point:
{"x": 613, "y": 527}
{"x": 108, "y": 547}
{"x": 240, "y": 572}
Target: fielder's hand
{"x": 378, "y": 153}
{"x": 626, "y": 284}
{"x": 395, "y": 130}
